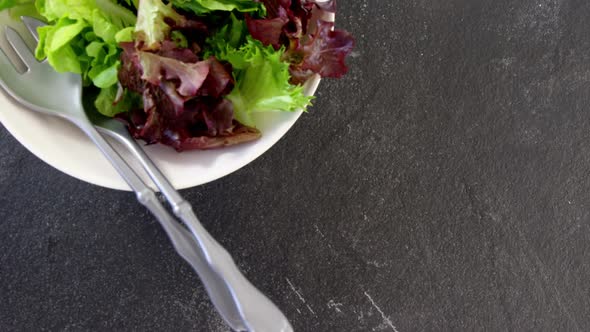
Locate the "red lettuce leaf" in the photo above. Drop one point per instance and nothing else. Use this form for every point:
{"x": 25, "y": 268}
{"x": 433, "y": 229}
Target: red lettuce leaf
{"x": 219, "y": 82}
{"x": 324, "y": 53}
{"x": 183, "y": 99}
{"x": 170, "y": 50}
{"x": 219, "y": 119}
{"x": 130, "y": 72}
{"x": 190, "y": 76}
{"x": 240, "y": 134}
{"x": 269, "y": 31}
{"x": 198, "y": 128}
{"x": 310, "y": 49}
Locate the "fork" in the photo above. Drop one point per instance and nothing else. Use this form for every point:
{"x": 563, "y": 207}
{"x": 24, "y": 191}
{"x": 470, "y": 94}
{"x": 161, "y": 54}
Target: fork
{"x": 41, "y": 89}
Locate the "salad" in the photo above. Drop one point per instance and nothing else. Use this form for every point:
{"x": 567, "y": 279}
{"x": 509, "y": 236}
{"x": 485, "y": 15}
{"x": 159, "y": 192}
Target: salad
{"x": 190, "y": 73}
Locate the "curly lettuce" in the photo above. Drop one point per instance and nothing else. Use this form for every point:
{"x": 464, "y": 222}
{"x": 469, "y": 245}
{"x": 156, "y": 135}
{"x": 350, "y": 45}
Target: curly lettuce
{"x": 190, "y": 73}
{"x": 261, "y": 76}
{"x": 201, "y": 7}
{"x": 82, "y": 37}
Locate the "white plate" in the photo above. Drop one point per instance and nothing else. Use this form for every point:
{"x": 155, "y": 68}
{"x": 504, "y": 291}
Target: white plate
{"x": 64, "y": 147}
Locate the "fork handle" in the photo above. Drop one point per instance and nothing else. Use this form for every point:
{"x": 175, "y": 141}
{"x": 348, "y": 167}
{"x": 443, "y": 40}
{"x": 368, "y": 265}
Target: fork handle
{"x": 183, "y": 240}
{"x": 258, "y": 313}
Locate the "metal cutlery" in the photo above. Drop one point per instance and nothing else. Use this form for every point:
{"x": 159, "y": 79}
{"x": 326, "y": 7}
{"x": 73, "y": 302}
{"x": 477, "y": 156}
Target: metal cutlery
{"x": 42, "y": 89}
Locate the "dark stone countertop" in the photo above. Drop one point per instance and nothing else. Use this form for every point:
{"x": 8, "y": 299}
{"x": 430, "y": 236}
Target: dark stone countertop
{"x": 444, "y": 184}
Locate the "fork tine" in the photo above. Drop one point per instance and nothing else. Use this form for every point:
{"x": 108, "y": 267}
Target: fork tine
{"x": 20, "y": 47}
{"x": 32, "y": 24}
{"x": 7, "y": 68}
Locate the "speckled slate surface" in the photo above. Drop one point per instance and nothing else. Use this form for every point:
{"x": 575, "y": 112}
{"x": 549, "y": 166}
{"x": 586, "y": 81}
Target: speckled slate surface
{"x": 444, "y": 184}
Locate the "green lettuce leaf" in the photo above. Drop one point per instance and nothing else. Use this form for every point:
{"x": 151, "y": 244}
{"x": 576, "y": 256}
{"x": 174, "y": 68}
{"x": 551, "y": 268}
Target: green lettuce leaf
{"x": 124, "y": 35}
{"x": 105, "y": 101}
{"x": 59, "y": 44}
{"x": 261, "y": 78}
{"x": 152, "y": 23}
{"x": 84, "y": 9}
{"x": 18, "y": 8}
{"x": 228, "y": 38}
{"x": 201, "y": 7}
{"x": 6, "y": 4}
{"x": 82, "y": 37}
{"x": 104, "y": 64}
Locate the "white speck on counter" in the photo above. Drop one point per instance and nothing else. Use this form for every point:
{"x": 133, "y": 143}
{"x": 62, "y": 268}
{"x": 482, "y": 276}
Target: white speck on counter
{"x": 335, "y": 306}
